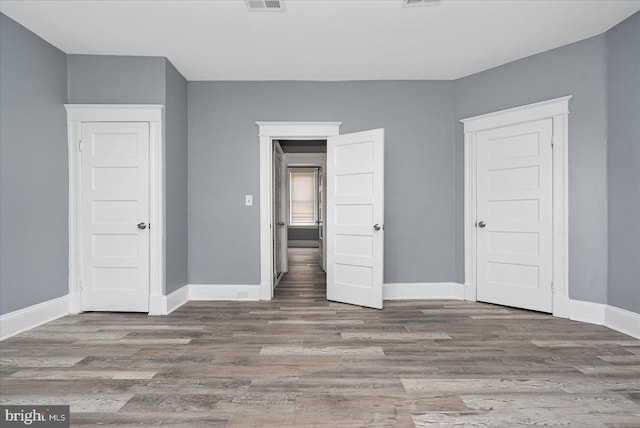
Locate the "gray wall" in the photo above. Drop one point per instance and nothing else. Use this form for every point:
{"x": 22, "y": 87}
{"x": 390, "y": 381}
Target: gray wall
{"x": 176, "y": 178}
{"x": 418, "y": 118}
{"x": 623, "y": 90}
{"x": 146, "y": 80}
{"x": 109, "y": 79}
{"x": 33, "y": 169}
{"x": 580, "y": 70}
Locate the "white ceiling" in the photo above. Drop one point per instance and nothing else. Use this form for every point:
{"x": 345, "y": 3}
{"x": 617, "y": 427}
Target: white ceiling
{"x": 319, "y": 40}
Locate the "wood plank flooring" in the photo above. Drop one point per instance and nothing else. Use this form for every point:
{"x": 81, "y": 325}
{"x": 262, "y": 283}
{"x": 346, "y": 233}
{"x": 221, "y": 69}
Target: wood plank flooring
{"x": 301, "y": 361}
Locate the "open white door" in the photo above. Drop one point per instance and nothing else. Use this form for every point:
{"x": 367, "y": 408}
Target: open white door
{"x": 321, "y": 219}
{"x": 115, "y": 216}
{"x": 355, "y": 218}
{"x": 280, "y": 226}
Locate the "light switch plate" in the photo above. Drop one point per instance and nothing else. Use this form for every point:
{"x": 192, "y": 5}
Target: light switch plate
{"x": 248, "y": 200}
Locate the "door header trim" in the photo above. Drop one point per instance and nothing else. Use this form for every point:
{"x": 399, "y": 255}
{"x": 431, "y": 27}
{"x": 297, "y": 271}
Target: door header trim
{"x": 513, "y": 116}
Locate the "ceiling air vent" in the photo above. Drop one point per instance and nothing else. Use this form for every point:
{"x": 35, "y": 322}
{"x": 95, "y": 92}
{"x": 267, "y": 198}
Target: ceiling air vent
{"x": 265, "y": 5}
{"x": 414, "y": 3}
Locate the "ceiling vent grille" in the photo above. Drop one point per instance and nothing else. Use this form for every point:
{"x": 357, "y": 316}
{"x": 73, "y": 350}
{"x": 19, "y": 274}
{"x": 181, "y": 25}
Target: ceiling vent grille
{"x": 414, "y": 3}
{"x": 265, "y": 5}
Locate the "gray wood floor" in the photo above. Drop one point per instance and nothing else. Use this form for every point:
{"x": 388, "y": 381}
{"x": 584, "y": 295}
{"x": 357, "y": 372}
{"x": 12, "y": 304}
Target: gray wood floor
{"x": 303, "y": 361}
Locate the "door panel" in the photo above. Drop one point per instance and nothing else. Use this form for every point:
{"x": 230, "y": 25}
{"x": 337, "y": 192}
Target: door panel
{"x": 115, "y": 198}
{"x": 355, "y": 203}
{"x": 514, "y": 207}
{"x": 280, "y": 226}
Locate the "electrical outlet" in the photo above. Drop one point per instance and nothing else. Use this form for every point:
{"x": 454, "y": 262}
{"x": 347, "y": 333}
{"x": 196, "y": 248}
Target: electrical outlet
{"x": 248, "y": 200}
{"x": 243, "y": 294}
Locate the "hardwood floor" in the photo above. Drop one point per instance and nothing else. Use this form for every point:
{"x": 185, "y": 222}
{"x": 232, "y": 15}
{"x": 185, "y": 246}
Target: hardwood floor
{"x": 300, "y": 360}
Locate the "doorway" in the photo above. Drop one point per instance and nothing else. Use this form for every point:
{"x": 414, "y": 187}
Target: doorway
{"x": 354, "y": 192}
{"x": 298, "y": 199}
{"x": 515, "y": 211}
{"x": 116, "y": 200}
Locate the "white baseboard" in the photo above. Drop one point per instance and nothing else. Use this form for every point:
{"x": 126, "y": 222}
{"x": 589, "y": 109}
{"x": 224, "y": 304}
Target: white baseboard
{"x": 302, "y": 243}
{"x": 590, "y": 312}
{"x": 224, "y": 292}
{"x": 626, "y": 322}
{"x": 32, "y": 316}
{"x": 423, "y": 290}
{"x": 621, "y": 320}
{"x": 176, "y": 299}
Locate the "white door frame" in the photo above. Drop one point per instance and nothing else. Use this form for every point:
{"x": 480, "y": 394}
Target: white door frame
{"x": 269, "y": 131}
{"x": 154, "y": 115}
{"x": 558, "y": 110}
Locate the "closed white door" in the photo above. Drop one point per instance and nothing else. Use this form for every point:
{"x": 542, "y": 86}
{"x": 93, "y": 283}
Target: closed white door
{"x": 355, "y": 218}
{"x": 115, "y": 216}
{"x": 514, "y": 216}
{"x": 280, "y": 226}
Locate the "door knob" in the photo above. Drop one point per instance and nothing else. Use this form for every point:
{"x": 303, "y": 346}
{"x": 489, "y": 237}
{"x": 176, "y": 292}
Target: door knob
{"x": 482, "y": 224}
{"x": 377, "y": 226}
{"x": 281, "y": 223}
{"x": 142, "y": 225}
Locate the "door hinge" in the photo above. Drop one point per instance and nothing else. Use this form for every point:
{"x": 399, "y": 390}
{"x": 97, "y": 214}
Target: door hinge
{"x": 552, "y": 142}
{"x": 552, "y": 287}
{"x": 79, "y": 145}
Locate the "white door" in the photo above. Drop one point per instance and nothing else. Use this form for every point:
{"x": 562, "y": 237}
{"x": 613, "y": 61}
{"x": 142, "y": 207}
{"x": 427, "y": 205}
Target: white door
{"x": 280, "y": 226}
{"x": 514, "y": 216}
{"x": 321, "y": 219}
{"x": 115, "y": 216}
{"x": 355, "y": 218}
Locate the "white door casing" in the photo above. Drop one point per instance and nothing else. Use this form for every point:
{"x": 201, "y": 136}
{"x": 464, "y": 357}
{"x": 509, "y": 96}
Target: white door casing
{"x": 152, "y": 114}
{"x": 558, "y": 111}
{"x": 322, "y": 218}
{"x": 115, "y": 216}
{"x": 355, "y": 218}
{"x": 269, "y": 131}
{"x": 514, "y": 215}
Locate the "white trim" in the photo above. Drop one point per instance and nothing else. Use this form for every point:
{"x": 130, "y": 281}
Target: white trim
{"x": 512, "y": 116}
{"x": 231, "y": 292}
{"x": 176, "y": 299}
{"x": 423, "y": 290}
{"x": 154, "y": 114}
{"x": 269, "y": 131}
{"x": 589, "y": 312}
{"x": 114, "y": 112}
{"x": 621, "y": 320}
{"x": 33, "y": 316}
{"x": 558, "y": 110}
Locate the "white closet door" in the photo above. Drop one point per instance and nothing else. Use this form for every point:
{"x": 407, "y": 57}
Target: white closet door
{"x": 115, "y": 216}
{"x": 515, "y": 215}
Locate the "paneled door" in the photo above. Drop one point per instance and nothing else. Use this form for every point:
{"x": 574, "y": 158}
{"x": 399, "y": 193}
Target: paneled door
{"x": 115, "y": 216}
{"x": 279, "y": 213}
{"x": 321, "y": 219}
{"x": 515, "y": 216}
{"x": 355, "y": 218}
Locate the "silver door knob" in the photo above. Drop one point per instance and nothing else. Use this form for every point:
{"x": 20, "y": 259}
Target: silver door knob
{"x": 142, "y": 225}
{"x": 377, "y": 226}
{"x": 482, "y": 224}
